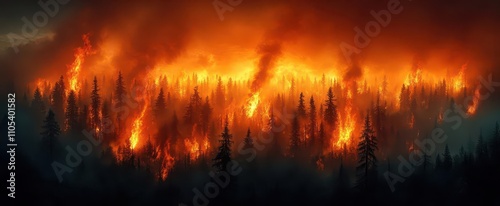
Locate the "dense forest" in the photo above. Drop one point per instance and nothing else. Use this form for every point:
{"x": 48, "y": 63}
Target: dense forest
{"x": 160, "y": 142}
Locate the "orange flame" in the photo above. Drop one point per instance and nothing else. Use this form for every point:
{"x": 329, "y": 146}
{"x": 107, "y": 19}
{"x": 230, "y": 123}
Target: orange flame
{"x": 137, "y": 129}
{"x": 167, "y": 164}
{"x": 252, "y": 104}
{"x": 347, "y": 123}
{"x": 459, "y": 79}
{"x": 80, "y": 54}
{"x": 475, "y": 103}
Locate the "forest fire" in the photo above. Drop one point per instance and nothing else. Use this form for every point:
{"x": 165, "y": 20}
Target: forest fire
{"x": 252, "y": 104}
{"x": 475, "y": 103}
{"x": 347, "y": 124}
{"x": 231, "y": 102}
{"x": 459, "y": 80}
{"x": 75, "y": 67}
{"x": 137, "y": 128}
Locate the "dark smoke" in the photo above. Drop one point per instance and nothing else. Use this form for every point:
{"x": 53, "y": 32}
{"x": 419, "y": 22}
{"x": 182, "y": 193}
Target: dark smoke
{"x": 270, "y": 49}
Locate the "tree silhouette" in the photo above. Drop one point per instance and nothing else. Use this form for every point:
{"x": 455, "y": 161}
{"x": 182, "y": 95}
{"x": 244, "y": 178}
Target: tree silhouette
{"x": 37, "y": 102}
{"x": 71, "y": 112}
{"x": 321, "y": 138}
{"x": 447, "y": 160}
{"x": 160, "y": 105}
{"x": 192, "y": 115}
{"x": 481, "y": 150}
{"x": 95, "y": 107}
{"x": 330, "y": 114}
{"x": 84, "y": 117}
{"x": 223, "y": 156}
{"x": 301, "y": 108}
{"x": 58, "y": 98}
{"x": 439, "y": 163}
{"x": 312, "y": 122}
{"x": 367, "y": 161}
{"x": 206, "y": 114}
{"x": 51, "y": 131}
{"x": 219, "y": 94}
{"x": 495, "y": 143}
{"x": 295, "y": 137}
{"x": 248, "y": 140}
{"x": 119, "y": 97}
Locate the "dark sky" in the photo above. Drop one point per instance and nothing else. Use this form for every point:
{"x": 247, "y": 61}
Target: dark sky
{"x": 455, "y": 32}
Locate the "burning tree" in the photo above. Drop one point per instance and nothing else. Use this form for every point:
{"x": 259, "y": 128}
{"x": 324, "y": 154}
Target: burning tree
{"x": 95, "y": 107}
{"x": 367, "y": 161}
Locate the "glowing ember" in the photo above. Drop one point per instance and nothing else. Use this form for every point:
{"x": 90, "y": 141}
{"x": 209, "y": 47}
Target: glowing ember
{"x": 80, "y": 54}
{"x": 252, "y": 104}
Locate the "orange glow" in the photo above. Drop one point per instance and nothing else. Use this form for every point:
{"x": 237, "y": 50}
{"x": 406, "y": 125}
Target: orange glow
{"x": 475, "y": 103}
{"x": 459, "y": 80}
{"x": 252, "y": 104}
{"x": 195, "y": 148}
{"x": 167, "y": 164}
{"x": 76, "y": 66}
{"x": 412, "y": 121}
{"x": 137, "y": 129}
{"x": 414, "y": 78}
{"x": 347, "y": 124}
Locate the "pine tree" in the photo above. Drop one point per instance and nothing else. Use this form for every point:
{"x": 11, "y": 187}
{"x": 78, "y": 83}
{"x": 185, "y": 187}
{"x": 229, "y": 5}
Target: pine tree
{"x": 84, "y": 117}
{"x": 51, "y": 131}
{"x": 119, "y": 96}
{"x": 107, "y": 127}
{"x": 223, "y": 156}
{"x": 219, "y": 94}
{"x": 174, "y": 126}
{"x": 439, "y": 162}
{"x": 312, "y": 122}
{"x": 481, "y": 150}
{"x": 295, "y": 137}
{"x": 71, "y": 112}
{"x": 37, "y": 102}
{"x": 206, "y": 114}
{"x": 330, "y": 115}
{"x": 192, "y": 115}
{"x": 321, "y": 138}
{"x": 160, "y": 105}
{"x": 495, "y": 143}
{"x": 447, "y": 160}
{"x": 58, "y": 98}
{"x": 301, "y": 109}
{"x": 367, "y": 161}
{"x": 248, "y": 140}
{"x": 95, "y": 107}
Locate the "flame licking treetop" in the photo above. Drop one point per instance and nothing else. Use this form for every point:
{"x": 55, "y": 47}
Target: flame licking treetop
{"x": 76, "y": 66}
{"x": 137, "y": 129}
